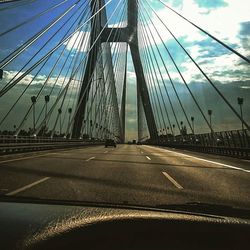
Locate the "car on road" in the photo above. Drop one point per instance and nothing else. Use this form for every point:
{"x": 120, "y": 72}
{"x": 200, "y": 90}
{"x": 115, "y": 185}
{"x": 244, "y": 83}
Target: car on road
{"x": 110, "y": 143}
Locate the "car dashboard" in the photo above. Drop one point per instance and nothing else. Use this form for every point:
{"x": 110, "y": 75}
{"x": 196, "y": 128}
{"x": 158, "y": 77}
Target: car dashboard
{"x": 59, "y": 226}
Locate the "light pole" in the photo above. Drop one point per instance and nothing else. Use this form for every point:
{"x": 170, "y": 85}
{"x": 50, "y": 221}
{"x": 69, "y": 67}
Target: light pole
{"x": 70, "y": 112}
{"x": 192, "y": 120}
{"x": 181, "y": 127}
{"x": 33, "y": 100}
{"x": 46, "y": 108}
{"x": 240, "y": 102}
{"x": 60, "y": 119}
{"x": 210, "y": 118}
{"x": 173, "y": 130}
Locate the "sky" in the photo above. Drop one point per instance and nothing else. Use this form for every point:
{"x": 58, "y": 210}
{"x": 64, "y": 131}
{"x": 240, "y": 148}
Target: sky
{"x": 229, "y": 73}
{"x": 228, "y": 20}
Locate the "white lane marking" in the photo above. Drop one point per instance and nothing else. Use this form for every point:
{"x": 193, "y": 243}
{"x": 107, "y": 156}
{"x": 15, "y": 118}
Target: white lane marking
{"x": 214, "y": 162}
{"x": 91, "y": 158}
{"x": 24, "y": 158}
{"x": 148, "y": 158}
{"x": 172, "y": 180}
{"x": 27, "y": 186}
{"x": 106, "y": 152}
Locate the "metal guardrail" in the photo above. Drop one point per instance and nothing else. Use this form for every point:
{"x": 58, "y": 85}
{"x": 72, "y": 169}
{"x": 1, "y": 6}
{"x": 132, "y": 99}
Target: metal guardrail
{"x": 235, "y": 143}
{"x": 10, "y": 145}
{"x": 32, "y": 139}
{"x": 243, "y": 153}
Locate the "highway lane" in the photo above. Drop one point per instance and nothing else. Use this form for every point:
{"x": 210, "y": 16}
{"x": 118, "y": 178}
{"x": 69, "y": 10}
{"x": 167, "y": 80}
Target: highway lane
{"x": 128, "y": 174}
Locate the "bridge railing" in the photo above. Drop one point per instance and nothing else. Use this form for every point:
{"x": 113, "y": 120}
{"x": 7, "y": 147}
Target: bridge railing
{"x": 234, "y": 143}
{"x": 11, "y": 144}
{"x": 10, "y": 139}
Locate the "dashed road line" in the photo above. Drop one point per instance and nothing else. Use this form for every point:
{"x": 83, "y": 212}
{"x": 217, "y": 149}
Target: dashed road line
{"x": 172, "y": 180}
{"x": 91, "y": 158}
{"x": 27, "y": 186}
{"x": 148, "y": 158}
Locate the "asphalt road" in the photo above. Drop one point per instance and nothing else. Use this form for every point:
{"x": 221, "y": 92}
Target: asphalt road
{"x": 128, "y": 174}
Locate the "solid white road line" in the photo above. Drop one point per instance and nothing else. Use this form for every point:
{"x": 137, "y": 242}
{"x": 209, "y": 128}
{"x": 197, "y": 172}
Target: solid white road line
{"x": 214, "y": 162}
{"x": 106, "y": 152}
{"x": 91, "y": 158}
{"x": 148, "y": 158}
{"x": 172, "y": 180}
{"x": 27, "y": 186}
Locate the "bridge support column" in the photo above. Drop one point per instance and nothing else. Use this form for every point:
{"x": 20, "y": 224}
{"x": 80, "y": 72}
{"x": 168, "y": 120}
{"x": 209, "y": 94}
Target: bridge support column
{"x": 128, "y": 34}
{"x": 90, "y": 67}
{"x": 141, "y": 82}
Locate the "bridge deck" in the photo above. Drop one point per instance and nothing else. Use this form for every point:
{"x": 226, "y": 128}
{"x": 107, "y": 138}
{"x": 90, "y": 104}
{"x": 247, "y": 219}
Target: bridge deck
{"x": 127, "y": 174}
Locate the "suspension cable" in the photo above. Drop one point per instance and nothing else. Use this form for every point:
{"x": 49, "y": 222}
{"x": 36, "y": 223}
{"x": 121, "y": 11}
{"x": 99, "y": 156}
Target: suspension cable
{"x": 203, "y": 73}
{"x": 207, "y": 33}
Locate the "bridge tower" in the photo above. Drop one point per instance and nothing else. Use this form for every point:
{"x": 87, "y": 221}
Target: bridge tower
{"x": 128, "y": 34}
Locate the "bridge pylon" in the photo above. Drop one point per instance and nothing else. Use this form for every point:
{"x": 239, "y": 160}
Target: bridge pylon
{"x": 128, "y": 34}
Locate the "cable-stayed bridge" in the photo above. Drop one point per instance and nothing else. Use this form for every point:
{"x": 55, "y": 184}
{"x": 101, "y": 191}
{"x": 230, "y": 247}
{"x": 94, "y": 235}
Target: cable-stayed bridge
{"x": 74, "y": 73}
{"x": 66, "y": 77}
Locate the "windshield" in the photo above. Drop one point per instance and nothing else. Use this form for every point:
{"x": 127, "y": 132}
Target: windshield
{"x": 130, "y": 102}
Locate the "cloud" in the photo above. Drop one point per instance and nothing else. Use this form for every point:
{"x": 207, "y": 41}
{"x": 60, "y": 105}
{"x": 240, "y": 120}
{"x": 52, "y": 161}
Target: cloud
{"x": 121, "y": 24}
{"x": 79, "y": 41}
{"x": 38, "y": 82}
{"x": 244, "y": 36}
{"x": 217, "y": 21}
{"x": 208, "y": 4}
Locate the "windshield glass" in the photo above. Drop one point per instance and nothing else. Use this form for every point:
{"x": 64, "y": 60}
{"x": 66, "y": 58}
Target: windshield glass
{"x": 130, "y": 102}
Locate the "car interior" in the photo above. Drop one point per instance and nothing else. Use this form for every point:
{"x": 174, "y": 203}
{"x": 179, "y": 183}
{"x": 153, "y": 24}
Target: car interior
{"x": 58, "y": 225}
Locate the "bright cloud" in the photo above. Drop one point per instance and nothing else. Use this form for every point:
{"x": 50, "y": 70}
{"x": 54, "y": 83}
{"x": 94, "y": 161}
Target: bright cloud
{"x": 38, "y": 80}
{"x": 223, "y": 22}
{"x": 79, "y": 41}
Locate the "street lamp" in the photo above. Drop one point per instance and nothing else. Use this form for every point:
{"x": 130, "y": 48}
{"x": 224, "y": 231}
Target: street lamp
{"x": 181, "y": 127}
{"x": 240, "y": 102}
{"x": 46, "y": 108}
{"x": 60, "y": 119}
{"x": 192, "y": 120}
{"x": 33, "y": 100}
{"x": 210, "y": 118}
{"x": 70, "y": 112}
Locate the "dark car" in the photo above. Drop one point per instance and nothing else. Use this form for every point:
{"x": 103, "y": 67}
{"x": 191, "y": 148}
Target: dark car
{"x": 110, "y": 142}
